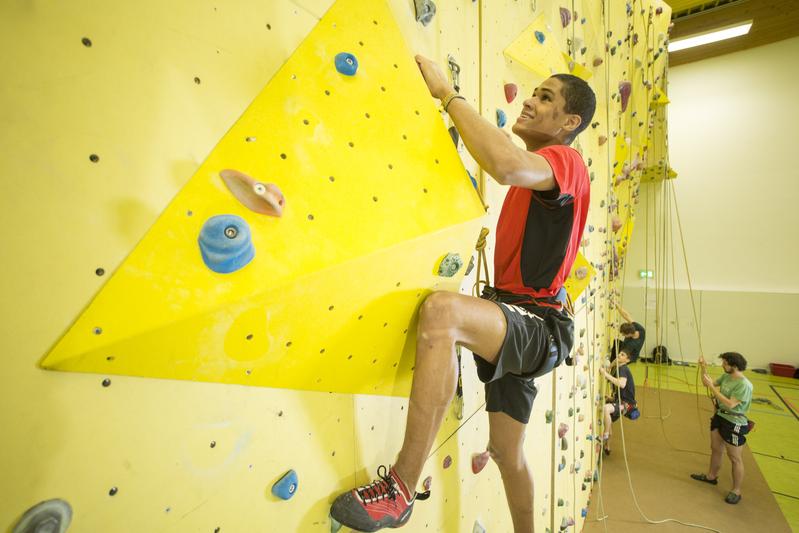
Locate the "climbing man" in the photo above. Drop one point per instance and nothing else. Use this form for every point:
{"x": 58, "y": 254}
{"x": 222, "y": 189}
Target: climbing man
{"x": 623, "y": 400}
{"x": 519, "y": 329}
{"x": 633, "y": 335}
{"x": 732, "y": 396}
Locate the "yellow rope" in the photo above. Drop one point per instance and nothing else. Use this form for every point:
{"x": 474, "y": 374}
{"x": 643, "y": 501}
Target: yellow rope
{"x": 482, "y": 264}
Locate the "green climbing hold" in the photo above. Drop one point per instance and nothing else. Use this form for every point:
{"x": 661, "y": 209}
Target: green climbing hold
{"x": 450, "y": 265}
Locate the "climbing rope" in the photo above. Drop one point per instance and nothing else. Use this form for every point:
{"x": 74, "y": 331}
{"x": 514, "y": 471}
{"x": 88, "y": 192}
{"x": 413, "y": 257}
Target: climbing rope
{"x": 658, "y": 334}
{"x": 482, "y": 264}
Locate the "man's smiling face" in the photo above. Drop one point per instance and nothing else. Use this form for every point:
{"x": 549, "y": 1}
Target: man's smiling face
{"x": 543, "y": 114}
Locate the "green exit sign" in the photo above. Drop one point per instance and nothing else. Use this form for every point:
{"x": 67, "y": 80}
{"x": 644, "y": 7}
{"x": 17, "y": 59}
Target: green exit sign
{"x": 646, "y": 274}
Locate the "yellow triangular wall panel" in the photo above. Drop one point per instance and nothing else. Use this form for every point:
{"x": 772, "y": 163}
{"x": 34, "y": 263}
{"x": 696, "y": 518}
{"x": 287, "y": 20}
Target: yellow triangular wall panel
{"x": 537, "y": 49}
{"x": 375, "y": 195}
{"x": 575, "y": 286}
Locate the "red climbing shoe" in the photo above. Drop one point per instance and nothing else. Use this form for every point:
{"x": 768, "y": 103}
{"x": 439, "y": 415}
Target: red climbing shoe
{"x": 386, "y": 502}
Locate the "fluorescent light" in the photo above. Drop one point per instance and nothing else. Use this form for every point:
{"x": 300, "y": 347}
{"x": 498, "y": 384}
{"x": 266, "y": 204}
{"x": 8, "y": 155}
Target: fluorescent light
{"x": 711, "y": 37}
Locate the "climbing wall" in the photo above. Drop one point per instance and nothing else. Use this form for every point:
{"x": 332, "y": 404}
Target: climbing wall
{"x": 190, "y": 392}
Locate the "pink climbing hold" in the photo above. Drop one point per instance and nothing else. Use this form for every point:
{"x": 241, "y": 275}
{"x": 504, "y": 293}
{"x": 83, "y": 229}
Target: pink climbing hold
{"x": 428, "y": 481}
{"x": 479, "y": 461}
{"x": 562, "y": 430}
{"x": 264, "y": 198}
{"x": 616, "y": 223}
{"x": 581, "y": 272}
{"x": 658, "y": 11}
{"x": 447, "y": 461}
{"x": 510, "y": 92}
{"x": 625, "y": 88}
{"x": 565, "y": 16}
{"x": 597, "y": 61}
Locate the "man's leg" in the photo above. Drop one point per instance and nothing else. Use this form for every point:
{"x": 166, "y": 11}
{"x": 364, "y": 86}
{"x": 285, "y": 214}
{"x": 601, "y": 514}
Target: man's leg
{"x": 505, "y": 446}
{"x": 716, "y": 453}
{"x": 609, "y": 410}
{"x": 445, "y": 319}
{"x": 735, "y": 453}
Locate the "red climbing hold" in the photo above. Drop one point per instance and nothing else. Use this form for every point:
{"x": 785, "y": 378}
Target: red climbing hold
{"x": 264, "y": 198}
{"x": 479, "y": 461}
{"x": 565, "y": 16}
{"x": 510, "y": 92}
{"x": 625, "y": 88}
{"x": 562, "y": 430}
{"x": 428, "y": 481}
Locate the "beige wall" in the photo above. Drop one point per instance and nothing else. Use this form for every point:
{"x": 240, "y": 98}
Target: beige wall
{"x": 732, "y": 141}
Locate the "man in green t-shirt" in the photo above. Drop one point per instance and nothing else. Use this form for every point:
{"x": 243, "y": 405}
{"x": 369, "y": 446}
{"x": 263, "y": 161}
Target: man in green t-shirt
{"x": 732, "y": 395}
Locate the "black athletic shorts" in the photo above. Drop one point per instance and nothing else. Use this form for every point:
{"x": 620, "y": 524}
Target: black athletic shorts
{"x": 620, "y": 409}
{"x": 734, "y": 434}
{"x": 537, "y": 340}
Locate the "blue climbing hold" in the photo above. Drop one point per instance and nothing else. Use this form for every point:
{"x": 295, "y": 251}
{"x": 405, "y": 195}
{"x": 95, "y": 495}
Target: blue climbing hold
{"x": 540, "y": 37}
{"x": 346, "y": 63}
{"x": 286, "y": 486}
{"x": 474, "y": 181}
{"x": 502, "y": 118}
{"x": 584, "y": 512}
{"x": 225, "y": 243}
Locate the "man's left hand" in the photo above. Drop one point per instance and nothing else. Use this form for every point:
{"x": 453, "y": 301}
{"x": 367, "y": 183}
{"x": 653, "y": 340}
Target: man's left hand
{"x": 436, "y": 79}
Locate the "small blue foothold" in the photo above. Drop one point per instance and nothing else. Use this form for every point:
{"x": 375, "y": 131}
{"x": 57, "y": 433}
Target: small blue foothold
{"x": 225, "y": 243}
{"x": 346, "y": 63}
{"x": 502, "y": 118}
{"x": 561, "y": 466}
{"x": 474, "y": 181}
{"x": 540, "y": 37}
{"x": 584, "y": 512}
{"x": 286, "y": 487}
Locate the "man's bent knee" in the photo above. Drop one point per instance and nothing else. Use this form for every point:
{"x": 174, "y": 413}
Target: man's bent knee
{"x": 438, "y": 311}
{"x": 512, "y": 458}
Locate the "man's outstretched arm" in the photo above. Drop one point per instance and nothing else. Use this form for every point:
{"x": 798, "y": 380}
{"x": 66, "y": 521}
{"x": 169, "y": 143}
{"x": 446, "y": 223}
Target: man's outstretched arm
{"x": 625, "y": 315}
{"x": 491, "y": 148}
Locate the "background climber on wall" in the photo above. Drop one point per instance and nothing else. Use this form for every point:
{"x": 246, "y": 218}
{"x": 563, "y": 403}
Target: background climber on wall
{"x": 519, "y": 329}
{"x": 623, "y": 400}
{"x": 634, "y": 336}
{"x": 732, "y": 396}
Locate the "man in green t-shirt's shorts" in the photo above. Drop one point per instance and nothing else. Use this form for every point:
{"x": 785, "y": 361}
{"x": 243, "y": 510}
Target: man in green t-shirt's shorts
{"x": 732, "y": 395}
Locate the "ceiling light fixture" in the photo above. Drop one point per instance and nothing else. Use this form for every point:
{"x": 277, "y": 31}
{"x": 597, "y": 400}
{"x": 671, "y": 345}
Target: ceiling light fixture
{"x": 742, "y": 28}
